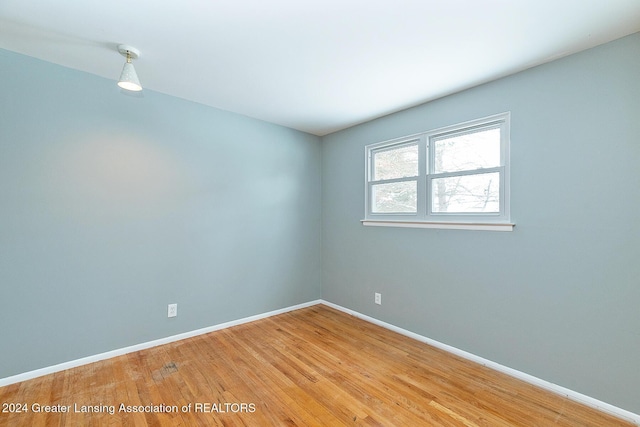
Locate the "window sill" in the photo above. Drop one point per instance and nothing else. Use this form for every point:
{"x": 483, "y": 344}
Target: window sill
{"x": 484, "y": 226}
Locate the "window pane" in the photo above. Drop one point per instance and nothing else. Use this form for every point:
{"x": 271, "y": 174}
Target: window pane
{"x": 468, "y": 151}
{"x": 395, "y": 197}
{"x": 467, "y": 194}
{"x": 401, "y": 162}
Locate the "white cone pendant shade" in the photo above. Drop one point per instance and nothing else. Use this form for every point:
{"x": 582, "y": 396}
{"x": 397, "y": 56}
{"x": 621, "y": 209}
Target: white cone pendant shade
{"x": 129, "y": 78}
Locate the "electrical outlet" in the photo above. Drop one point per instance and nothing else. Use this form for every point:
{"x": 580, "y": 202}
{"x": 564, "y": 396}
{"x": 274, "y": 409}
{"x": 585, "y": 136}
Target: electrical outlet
{"x": 378, "y": 298}
{"x": 173, "y": 310}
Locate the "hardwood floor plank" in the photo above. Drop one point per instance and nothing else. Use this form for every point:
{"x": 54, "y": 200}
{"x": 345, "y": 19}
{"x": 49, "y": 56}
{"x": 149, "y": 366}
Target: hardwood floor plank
{"x": 311, "y": 367}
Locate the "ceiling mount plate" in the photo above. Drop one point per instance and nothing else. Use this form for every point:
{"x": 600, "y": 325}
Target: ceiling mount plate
{"x": 124, "y": 48}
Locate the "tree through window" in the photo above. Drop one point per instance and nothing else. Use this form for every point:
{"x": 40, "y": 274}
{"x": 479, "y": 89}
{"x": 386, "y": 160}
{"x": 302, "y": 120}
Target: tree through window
{"x": 458, "y": 173}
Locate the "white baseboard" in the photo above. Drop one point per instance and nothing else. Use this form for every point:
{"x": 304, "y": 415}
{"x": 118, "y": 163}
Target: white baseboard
{"x": 554, "y": 388}
{"x": 119, "y": 352}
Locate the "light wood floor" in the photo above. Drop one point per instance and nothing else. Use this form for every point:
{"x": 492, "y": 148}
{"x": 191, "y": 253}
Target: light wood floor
{"x": 310, "y": 367}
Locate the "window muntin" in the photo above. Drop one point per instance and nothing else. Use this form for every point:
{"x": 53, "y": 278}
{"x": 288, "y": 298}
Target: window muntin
{"x": 454, "y": 174}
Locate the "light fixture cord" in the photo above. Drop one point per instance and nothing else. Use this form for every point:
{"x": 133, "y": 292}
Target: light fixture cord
{"x": 128, "y": 58}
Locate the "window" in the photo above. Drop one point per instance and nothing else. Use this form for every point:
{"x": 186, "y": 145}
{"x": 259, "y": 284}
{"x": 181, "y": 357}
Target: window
{"x": 454, "y": 177}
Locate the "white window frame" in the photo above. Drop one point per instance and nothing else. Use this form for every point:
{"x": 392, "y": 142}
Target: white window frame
{"x": 424, "y": 216}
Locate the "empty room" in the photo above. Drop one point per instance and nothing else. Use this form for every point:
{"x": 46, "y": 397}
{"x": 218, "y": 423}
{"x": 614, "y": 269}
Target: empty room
{"x": 410, "y": 213}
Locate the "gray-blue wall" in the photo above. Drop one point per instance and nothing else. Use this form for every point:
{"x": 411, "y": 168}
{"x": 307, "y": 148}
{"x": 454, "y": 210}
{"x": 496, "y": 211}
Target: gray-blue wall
{"x": 112, "y": 207}
{"x": 559, "y": 297}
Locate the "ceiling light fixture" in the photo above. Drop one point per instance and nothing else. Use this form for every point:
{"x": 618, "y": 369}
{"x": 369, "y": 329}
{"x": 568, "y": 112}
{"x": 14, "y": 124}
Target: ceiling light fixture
{"x": 129, "y": 78}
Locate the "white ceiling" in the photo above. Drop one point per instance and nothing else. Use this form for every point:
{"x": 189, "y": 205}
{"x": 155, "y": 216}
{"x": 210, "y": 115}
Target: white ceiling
{"x": 313, "y": 65}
